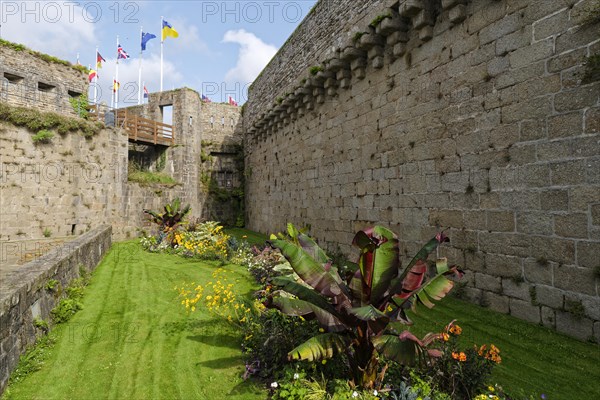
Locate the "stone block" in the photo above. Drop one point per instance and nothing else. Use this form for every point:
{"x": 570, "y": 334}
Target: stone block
{"x": 501, "y": 265}
{"x": 588, "y": 254}
{"x": 500, "y": 221}
{"x": 570, "y": 124}
{"x": 495, "y": 302}
{"x": 549, "y": 296}
{"x": 488, "y": 282}
{"x": 566, "y": 60}
{"x": 539, "y": 273}
{"x": 535, "y": 52}
{"x": 534, "y": 222}
{"x": 577, "y": 99}
{"x": 555, "y": 200}
{"x": 578, "y": 327}
{"x": 595, "y": 211}
{"x": 573, "y": 225}
{"x": 548, "y": 317}
{"x": 551, "y": 25}
{"x": 592, "y": 120}
{"x": 512, "y": 287}
{"x": 575, "y": 279}
{"x": 524, "y": 310}
{"x": 509, "y": 23}
{"x": 567, "y": 173}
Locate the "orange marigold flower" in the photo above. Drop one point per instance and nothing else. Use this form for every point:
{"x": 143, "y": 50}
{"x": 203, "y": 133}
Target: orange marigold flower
{"x": 462, "y": 357}
{"x": 445, "y": 337}
{"x": 455, "y": 355}
{"x": 455, "y": 330}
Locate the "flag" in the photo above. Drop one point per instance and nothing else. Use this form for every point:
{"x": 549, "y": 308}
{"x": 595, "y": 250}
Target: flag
{"x": 206, "y": 99}
{"x": 145, "y": 38}
{"x": 115, "y": 85}
{"x": 92, "y": 75}
{"x": 232, "y": 102}
{"x": 99, "y": 60}
{"x": 167, "y": 30}
{"x": 121, "y": 53}
{"x": 145, "y": 92}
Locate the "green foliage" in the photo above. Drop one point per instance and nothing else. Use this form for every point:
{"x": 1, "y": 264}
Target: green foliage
{"x": 43, "y": 136}
{"x": 204, "y": 157}
{"x": 52, "y": 284}
{"x": 47, "y": 233}
{"x": 357, "y": 36}
{"x": 41, "y": 324}
{"x": 377, "y": 20}
{"x": 148, "y": 178}
{"x": 162, "y": 161}
{"x": 171, "y": 217}
{"x": 35, "y": 120}
{"x": 80, "y": 105}
{"x": 314, "y": 70}
{"x": 42, "y": 56}
{"x": 68, "y": 306}
{"x": 592, "y": 69}
{"x": 362, "y": 314}
{"x": 268, "y": 339}
{"x": 33, "y": 359}
{"x": 459, "y": 372}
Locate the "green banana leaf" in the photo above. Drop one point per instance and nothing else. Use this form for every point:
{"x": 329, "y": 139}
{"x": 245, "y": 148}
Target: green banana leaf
{"x": 379, "y": 261}
{"x": 296, "y": 307}
{"x": 309, "y": 270}
{"x": 319, "y": 347}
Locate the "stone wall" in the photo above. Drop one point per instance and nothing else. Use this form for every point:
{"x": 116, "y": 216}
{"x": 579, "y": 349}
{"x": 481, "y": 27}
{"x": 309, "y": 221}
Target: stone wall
{"x": 222, "y": 163}
{"x": 465, "y": 116}
{"x": 29, "y": 81}
{"x": 24, "y": 296}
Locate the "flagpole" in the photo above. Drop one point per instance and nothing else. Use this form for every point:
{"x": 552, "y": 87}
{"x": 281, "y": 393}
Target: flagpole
{"x": 112, "y": 96}
{"x": 140, "y": 69}
{"x": 162, "y": 40}
{"x": 117, "y": 77}
{"x": 96, "y": 80}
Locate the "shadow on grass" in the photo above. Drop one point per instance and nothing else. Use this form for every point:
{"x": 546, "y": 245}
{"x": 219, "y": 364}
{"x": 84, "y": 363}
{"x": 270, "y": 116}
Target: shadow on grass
{"x": 218, "y": 340}
{"x": 222, "y": 363}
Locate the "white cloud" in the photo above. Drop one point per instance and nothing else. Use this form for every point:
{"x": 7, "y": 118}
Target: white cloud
{"x": 254, "y": 55}
{"x": 128, "y": 77}
{"x": 56, "y": 28}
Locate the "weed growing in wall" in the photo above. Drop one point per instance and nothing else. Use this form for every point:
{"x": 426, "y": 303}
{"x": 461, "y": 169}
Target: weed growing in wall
{"x": 592, "y": 69}
{"x": 43, "y": 136}
{"x": 80, "y": 105}
{"x": 36, "y": 120}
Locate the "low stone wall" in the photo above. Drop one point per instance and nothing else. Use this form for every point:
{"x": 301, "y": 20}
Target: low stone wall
{"x": 24, "y": 297}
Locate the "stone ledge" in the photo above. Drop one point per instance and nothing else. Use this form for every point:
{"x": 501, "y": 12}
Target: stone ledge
{"x": 23, "y": 296}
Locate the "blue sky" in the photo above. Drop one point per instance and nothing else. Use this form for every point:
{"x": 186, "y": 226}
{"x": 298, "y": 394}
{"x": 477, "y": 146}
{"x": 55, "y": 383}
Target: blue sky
{"x": 222, "y": 45}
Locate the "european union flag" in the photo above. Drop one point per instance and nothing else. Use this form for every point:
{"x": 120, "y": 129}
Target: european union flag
{"x": 145, "y": 37}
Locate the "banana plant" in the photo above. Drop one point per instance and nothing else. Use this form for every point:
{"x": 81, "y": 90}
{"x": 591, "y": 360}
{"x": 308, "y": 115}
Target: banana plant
{"x": 172, "y": 216}
{"x": 363, "y": 315}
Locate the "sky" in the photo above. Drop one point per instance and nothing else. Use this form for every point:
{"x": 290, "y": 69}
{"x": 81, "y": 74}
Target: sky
{"x": 221, "y": 48}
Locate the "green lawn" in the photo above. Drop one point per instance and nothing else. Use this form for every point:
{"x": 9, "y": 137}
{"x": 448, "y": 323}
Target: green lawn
{"x": 253, "y": 238}
{"x": 535, "y": 360}
{"x": 134, "y": 340}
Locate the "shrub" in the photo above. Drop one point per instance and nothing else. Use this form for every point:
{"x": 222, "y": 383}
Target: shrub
{"x": 207, "y": 242}
{"x": 43, "y": 136}
{"x": 361, "y": 316}
{"x": 462, "y": 372}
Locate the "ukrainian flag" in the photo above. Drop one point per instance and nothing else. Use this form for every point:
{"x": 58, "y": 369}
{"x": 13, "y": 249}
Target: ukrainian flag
{"x": 167, "y": 30}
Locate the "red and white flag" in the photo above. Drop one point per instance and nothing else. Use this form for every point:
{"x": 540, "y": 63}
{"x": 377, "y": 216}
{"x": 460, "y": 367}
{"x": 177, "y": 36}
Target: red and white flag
{"x": 232, "y": 102}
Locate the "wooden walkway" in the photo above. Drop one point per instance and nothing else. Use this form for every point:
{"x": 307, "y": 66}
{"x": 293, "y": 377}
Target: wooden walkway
{"x": 139, "y": 129}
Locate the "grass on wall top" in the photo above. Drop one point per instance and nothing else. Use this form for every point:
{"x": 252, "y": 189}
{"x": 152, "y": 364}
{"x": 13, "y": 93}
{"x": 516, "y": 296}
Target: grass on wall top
{"x": 42, "y": 56}
{"x": 36, "y": 120}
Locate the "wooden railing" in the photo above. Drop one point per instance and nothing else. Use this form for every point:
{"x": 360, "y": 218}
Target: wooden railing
{"x": 139, "y": 129}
